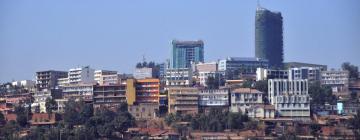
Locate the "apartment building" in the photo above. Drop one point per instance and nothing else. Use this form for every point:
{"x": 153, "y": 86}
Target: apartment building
{"x": 290, "y": 97}
{"x": 103, "y": 77}
{"x": 183, "y": 100}
{"x": 264, "y": 74}
{"x": 311, "y": 73}
{"x": 217, "y": 98}
{"x": 49, "y": 79}
{"x": 143, "y": 91}
{"x": 179, "y": 77}
{"x": 243, "y": 99}
{"x": 338, "y": 80}
{"x": 110, "y": 96}
{"x": 78, "y": 91}
{"x": 143, "y": 73}
{"x": 39, "y": 103}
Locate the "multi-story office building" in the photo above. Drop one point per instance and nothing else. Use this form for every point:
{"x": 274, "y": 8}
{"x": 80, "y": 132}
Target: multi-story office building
{"x": 183, "y": 53}
{"x": 269, "y": 37}
{"x": 179, "y": 77}
{"x": 110, "y": 96}
{"x": 183, "y": 100}
{"x": 310, "y": 73}
{"x": 264, "y": 74}
{"x": 143, "y": 91}
{"x": 300, "y": 64}
{"x": 143, "y": 73}
{"x": 78, "y": 91}
{"x": 99, "y": 74}
{"x": 242, "y": 99}
{"x": 218, "y": 98}
{"x": 337, "y": 80}
{"x": 81, "y": 75}
{"x": 243, "y": 65}
{"x": 48, "y": 79}
{"x": 290, "y": 97}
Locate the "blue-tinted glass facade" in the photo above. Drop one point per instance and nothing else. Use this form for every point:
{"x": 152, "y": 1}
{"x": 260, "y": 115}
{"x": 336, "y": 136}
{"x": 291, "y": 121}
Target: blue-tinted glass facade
{"x": 269, "y": 37}
{"x": 185, "y": 52}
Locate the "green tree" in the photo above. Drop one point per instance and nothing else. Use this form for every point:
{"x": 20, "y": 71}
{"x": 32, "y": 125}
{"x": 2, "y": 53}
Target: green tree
{"x": 87, "y": 111}
{"x": 247, "y": 84}
{"x": 261, "y": 86}
{"x": 321, "y": 94}
{"x": 71, "y": 114}
{"x": 354, "y": 123}
{"x": 2, "y": 119}
{"x": 21, "y": 115}
{"x": 353, "y": 70}
{"x": 9, "y": 131}
{"x": 50, "y": 105}
{"x": 315, "y": 129}
{"x": 212, "y": 83}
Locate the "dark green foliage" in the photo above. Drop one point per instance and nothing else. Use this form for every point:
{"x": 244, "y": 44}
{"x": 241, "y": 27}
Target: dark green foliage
{"x": 72, "y": 113}
{"x": 50, "y": 105}
{"x": 261, "y": 86}
{"x": 354, "y": 123}
{"x": 321, "y": 94}
{"x": 215, "y": 121}
{"x": 247, "y": 84}
{"x": 353, "y": 70}
{"x": 9, "y": 131}
{"x": 215, "y": 82}
{"x": 21, "y": 115}
{"x": 2, "y": 119}
{"x": 315, "y": 129}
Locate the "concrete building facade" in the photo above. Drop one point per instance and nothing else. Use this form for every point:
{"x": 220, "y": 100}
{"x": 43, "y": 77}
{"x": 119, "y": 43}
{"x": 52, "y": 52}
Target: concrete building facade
{"x": 183, "y": 100}
{"x": 49, "y": 79}
{"x": 290, "y": 97}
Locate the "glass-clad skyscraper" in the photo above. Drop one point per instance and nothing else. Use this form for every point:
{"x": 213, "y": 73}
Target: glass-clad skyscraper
{"x": 269, "y": 37}
{"x": 185, "y": 52}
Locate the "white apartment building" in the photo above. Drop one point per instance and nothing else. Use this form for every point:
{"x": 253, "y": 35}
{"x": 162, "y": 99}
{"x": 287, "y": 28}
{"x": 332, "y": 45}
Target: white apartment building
{"x": 337, "y": 80}
{"x": 179, "y": 77}
{"x": 143, "y": 73}
{"x": 264, "y": 74}
{"x": 79, "y": 91}
{"x": 310, "y": 73}
{"x": 39, "y": 103}
{"x": 81, "y": 75}
{"x": 98, "y": 74}
{"x": 243, "y": 99}
{"x": 214, "y": 98}
{"x": 290, "y": 97}
{"x": 27, "y": 84}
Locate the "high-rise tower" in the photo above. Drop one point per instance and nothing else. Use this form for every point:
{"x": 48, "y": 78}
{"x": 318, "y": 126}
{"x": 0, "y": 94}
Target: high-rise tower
{"x": 185, "y": 52}
{"x": 269, "y": 37}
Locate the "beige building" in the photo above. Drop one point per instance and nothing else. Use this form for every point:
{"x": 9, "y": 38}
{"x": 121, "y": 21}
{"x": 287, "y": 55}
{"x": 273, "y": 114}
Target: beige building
{"x": 144, "y": 110}
{"x": 183, "y": 100}
{"x": 245, "y": 99}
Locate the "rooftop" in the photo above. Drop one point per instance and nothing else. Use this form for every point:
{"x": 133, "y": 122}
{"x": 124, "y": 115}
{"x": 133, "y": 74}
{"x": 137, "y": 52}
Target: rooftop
{"x": 245, "y": 90}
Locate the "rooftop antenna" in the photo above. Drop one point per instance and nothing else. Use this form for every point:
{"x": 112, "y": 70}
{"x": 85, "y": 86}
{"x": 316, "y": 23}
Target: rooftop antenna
{"x": 258, "y": 3}
{"x": 144, "y": 60}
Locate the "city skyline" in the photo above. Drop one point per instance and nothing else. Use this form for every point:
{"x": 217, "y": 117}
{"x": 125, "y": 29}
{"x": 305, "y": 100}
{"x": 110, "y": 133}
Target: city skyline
{"x": 39, "y": 35}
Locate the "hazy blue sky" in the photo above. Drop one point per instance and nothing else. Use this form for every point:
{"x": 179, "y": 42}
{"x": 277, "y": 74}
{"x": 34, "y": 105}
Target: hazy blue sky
{"x": 41, "y": 35}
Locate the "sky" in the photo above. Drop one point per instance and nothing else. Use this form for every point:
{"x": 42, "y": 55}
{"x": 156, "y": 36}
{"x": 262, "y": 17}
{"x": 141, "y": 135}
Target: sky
{"x": 116, "y": 34}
